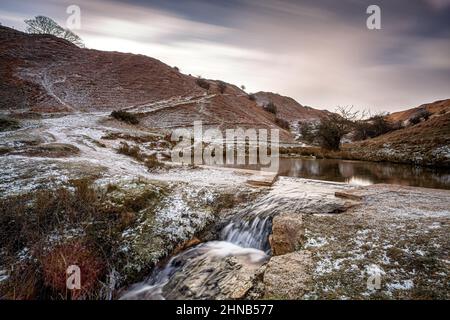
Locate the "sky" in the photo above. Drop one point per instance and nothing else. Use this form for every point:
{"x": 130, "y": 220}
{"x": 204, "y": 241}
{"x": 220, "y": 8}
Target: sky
{"x": 320, "y": 53}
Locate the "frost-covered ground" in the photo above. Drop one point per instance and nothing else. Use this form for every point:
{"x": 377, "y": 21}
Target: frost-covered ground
{"x": 392, "y": 245}
{"x": 398, "y": 235}
{"x": 25, "y": 166}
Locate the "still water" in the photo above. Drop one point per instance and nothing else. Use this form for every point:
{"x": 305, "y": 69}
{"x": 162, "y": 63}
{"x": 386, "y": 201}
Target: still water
{"x": 365, "y": 172}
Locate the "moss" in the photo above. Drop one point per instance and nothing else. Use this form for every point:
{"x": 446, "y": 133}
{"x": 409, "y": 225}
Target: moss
{"x": 224, "y": 201}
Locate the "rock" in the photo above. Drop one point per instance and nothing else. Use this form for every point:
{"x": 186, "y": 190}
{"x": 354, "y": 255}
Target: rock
{"x": 288, "y": 233}
{"x": 165, "y": 154}
{"x": 288, "y": 276}
{"x": 205, "y": 272}
{"x": 348, "y": 194}
{"x": 186, "y": 245}
{"x": 262, "y": 180}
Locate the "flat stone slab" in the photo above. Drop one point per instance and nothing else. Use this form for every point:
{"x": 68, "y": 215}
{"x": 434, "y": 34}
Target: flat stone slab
{"x": 288, "y": 276}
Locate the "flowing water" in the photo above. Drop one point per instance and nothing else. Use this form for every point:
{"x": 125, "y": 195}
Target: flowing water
{"x": 244, "y": 240}
{"x": 201, "y": 272}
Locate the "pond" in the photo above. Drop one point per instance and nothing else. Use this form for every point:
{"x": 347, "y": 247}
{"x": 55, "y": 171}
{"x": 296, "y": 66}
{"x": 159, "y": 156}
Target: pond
{"x": 365, "y": 172}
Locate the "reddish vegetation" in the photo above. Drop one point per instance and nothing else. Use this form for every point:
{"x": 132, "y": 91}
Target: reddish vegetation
{"x": 224, "y": 111}
{"x": 289, "y": 109}
{"x": 45, "y": 73}
{"x": 56, "y": 262}
{"x": 437, "y": 107}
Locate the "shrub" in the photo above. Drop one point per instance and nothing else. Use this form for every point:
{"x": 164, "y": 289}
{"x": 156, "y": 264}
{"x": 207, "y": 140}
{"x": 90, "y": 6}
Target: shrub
{"x": 282, "y": 123}
{"x": 222, "y": 86}
{"x": 111, "y": 188}
{"x": 414, "y": 120}
{"x": 125, "y": 116}
{"x": 38, "y": 222}
{"x": 423, "y": 114}
{"x": 252, "y": 97}
{"x": 202, "y": 83}
{"x": 58, "y": 259}
{"x": 8, "y": 124}
{"x": 132, "y": 151}
{"x": 307, "y": 132}
{"x": 373, "y": 127}
{"x": 26, "y": 221}
{"x": 152, "y": 163}
{"x": 271, "y": 107}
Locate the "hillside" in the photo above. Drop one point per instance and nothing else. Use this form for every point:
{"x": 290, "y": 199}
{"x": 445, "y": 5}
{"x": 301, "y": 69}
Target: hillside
{"x": 434, "y": 108}
{"x": 289, "y": 109}
{"x": 47, "y": 74}
{"x": 426, "y": 143}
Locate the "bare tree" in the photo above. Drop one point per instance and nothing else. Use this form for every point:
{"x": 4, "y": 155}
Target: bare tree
{"x": 72, "y": 37}
{"x": 335, "y": 125}
{"x": 46, "y": 25}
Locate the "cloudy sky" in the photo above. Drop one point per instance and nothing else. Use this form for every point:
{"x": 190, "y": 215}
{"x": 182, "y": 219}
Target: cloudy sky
{"x": 318, "y": 52}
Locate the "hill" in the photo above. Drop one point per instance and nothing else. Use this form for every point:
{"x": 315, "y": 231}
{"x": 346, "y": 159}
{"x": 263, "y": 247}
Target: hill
{"x": 434, "y": 108}
{"x": 47, "y": 74}
{"x": 289, "y": 109}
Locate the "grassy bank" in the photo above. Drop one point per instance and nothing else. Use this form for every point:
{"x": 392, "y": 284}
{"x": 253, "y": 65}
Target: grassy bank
{"x": 425, "y": 144}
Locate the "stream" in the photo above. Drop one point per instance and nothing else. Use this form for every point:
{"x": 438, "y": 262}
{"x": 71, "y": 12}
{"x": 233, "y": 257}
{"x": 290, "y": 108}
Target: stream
{"x": 209, "y": 269}
{"x": 248, "y": 243}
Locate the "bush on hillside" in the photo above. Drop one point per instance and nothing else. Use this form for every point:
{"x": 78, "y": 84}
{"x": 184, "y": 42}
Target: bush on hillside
{"x": 282, "y": 123}
{"x": 202, "y": 83}
{"x": 271, "y": 107}
{"x": 125, "y": 116}
{"x": 222, "y": 86}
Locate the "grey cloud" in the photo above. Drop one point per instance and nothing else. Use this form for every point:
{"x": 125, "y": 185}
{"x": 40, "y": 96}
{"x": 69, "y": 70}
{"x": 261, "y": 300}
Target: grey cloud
{"x": 318, "y": 52}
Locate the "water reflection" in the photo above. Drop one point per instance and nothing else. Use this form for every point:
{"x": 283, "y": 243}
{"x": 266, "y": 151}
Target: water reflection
{"x": 365, "y": 173}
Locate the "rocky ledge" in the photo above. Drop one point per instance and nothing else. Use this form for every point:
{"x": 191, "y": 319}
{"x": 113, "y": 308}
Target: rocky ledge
{"x": 392, "y": 243}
